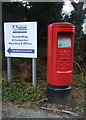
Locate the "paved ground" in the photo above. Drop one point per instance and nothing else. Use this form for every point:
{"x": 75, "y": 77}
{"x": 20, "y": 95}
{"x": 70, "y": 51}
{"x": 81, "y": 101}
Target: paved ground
{"x": 10, "y": 111}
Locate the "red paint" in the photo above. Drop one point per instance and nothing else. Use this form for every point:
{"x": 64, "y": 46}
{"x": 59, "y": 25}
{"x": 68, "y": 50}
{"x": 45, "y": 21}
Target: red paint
{"x": 60, "y": 58}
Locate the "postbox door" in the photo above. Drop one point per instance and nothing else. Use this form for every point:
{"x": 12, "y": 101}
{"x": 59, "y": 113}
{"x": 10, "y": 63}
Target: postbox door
{"x": 62, "y": 58}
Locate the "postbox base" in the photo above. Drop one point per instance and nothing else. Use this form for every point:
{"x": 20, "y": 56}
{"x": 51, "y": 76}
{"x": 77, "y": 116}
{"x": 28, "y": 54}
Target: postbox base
{"x": 59, "y": 95}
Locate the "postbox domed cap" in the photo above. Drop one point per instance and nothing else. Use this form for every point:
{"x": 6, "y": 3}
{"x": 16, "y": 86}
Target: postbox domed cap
{"x": 62, "y": 25}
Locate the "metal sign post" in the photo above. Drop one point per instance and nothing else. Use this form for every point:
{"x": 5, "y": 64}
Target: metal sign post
{"x": 9, "y": 69}
{"x": 34, "y": 72}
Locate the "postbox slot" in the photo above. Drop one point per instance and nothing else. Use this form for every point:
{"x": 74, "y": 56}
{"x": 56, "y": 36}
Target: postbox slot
{"x": 65, "y": 33}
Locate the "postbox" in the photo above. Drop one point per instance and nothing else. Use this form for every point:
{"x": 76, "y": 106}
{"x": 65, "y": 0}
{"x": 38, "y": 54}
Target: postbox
{"x": 60, "y": 60}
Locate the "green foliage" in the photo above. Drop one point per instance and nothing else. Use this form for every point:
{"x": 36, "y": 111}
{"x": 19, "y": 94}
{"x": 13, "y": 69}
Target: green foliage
{"x": 83, "y": 36}
{"x": 42, "y": 52}
{"x": 80, "y": 67}
{"x": 82, "y": 84}
{"x": 21, "y": 92}
{"x": 18, "y": 12}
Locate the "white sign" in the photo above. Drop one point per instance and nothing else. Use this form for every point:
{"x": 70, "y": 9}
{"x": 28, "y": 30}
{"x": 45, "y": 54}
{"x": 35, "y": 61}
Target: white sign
{"x": 20, "y": 39}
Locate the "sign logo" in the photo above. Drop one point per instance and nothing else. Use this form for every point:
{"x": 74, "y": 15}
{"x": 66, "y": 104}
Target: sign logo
{"x": 19, "y": 28}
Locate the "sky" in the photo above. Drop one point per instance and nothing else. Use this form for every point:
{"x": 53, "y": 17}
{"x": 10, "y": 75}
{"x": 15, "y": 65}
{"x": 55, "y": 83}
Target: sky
{"x": 67, "y": 7}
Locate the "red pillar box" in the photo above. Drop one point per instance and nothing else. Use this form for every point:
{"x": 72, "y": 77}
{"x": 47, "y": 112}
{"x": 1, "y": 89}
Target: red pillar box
{"x": 60, "y": 61}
